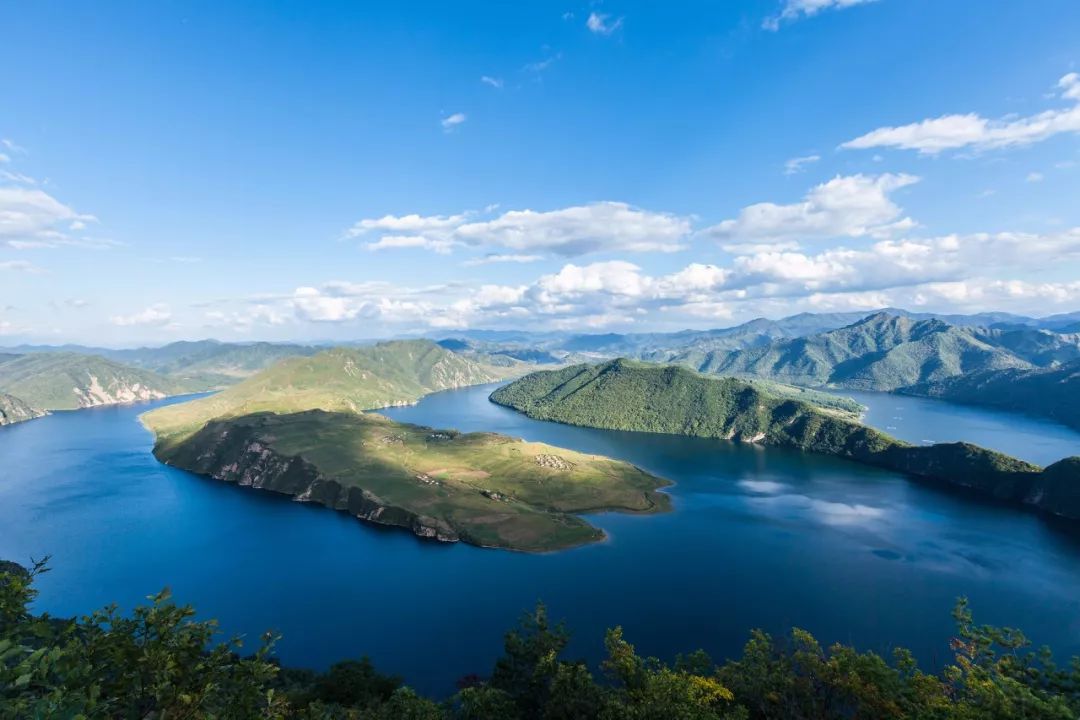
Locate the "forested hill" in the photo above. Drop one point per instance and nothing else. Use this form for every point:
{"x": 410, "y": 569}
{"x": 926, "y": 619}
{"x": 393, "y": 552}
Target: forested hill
{"x": 341, "y": 379}
{"x": 888, "y": 352}
{"x": 627, "y": 395}
{"x": 1048, "y": 392}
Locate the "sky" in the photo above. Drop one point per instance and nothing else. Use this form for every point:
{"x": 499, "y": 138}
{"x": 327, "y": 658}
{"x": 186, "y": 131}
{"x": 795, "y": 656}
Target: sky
{"x": 322, "y": 171}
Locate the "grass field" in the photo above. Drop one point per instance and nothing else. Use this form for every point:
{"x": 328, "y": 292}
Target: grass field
{"x": 492, "y": 490}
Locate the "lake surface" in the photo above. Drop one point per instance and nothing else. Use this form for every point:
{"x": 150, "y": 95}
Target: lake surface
{"x": 758, "y": 538}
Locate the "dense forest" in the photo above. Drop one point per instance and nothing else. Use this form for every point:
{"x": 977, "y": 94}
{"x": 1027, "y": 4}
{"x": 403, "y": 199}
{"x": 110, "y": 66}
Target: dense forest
{"x": 159, "y": 662}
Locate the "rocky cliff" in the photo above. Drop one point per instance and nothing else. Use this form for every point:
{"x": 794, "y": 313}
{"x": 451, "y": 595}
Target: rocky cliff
{"x": 237, "y": 453}
{"x": 13, "y": 410}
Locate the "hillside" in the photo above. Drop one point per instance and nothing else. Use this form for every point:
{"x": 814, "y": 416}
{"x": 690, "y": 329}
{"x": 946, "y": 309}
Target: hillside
{"x": 13, "y": 410}
{"x": 342, "y": 379}
{"x": 886, "y": 352}
{"x": 209, "y": 362}
{"x": 480, "y": 488}
{"x": 68, "y": 381}
{"x": 1052, "y": 393}
{"x": 625, "y": 395}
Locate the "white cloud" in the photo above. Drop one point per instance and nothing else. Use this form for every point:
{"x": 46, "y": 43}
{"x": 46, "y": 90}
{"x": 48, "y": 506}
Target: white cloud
{"x": 450, "y": 122}
{"x": 406, "y": 224}
{"x": 798, "y": 164}
{"x": 951, "y": 132}
{"x": 793, "y": 10}
{"x": 12, "y": 146}
{"x": 5, "y": 158}
{"x": 493, "y": 258}
{"x": 33, "y": 218}
{"x": 441, "y": 246}
{"x": 600, "y": 226}
{"x": 846, "y": 206}
{"x": 596, "y": 227}
{"x": 1034, "y": 177}
{"x": 494, "y": 82}
{"x": 540, "y": 66}
{"x": 18, "y": 266}
{"x": 601, "y": 24}
{"x": 155, "y": 315}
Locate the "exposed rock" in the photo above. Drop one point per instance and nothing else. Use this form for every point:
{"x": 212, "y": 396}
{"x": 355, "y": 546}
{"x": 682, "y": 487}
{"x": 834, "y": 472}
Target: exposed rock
{"x": 553, "y": 462}
{"x": 242, "y": 456}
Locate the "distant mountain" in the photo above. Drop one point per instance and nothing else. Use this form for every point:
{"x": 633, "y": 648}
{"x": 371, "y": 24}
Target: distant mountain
{"x": 631, "y": 396}
{"x": 1052, "y": 393}
{"x": 13, "y": 410}
{"x": 690, "y": 347}
{"x": 887, "y": 352}
{"x": 202, "y": 364}
{"x": 211, "y": 362}
{"x": 68, "y": 381}
{"x": 337, "y": 380}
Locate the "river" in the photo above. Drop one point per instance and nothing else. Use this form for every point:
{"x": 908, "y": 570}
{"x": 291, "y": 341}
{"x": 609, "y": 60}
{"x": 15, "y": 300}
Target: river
{"x": 759, "y": 538}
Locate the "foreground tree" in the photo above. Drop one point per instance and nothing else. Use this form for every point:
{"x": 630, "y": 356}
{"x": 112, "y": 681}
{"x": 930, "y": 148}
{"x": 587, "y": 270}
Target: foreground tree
{"x": 161, "y": 663}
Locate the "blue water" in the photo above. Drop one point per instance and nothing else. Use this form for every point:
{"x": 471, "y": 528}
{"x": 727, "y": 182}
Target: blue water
{"x": 758, "y": 538}
{"x": 925, "y": 420}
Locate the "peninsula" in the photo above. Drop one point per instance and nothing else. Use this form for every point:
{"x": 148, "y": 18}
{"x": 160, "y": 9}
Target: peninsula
{"x": 628, "y": 395}
{"x": 299, "y": 429}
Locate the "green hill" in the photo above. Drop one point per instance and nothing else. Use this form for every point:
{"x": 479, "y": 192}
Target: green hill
{"x": 209, "y": 362}
{"x": 1052, "y": 393}
{"x": 888, "y": 352}
{"x": 480, "y": 488}
{"x": 342, "y": 379}
{"x": 626, "y": 395}
{"x": 13, "y": 410}
{"x": 298, "y": 429}
{"x": 68, "y": 381}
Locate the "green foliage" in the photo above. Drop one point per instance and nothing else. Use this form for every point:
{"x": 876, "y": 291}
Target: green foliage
{"x": 159, "y": 663}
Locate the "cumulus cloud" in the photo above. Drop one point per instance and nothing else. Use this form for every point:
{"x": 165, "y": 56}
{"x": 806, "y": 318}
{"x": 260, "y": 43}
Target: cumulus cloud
{"x": 796, "y": 165}
{"x": 572, "y": 231}
{"x": 846, "y": 206}
{"x": 441, "y": 246}
{"x": 972, "y": 131}
{"x": 450, "y": 122}
{"x": 493, "y": 258}
{"x": 155, "y": 315}
{"x": 600, "y": 24}
{"x": 33, "y": 218}
{"x": 793, "y": 10}
{"x": 951, "y": 272}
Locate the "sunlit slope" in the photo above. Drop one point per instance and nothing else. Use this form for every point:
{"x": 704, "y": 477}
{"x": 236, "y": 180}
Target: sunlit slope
{"x": 342, "y": 379}
{"x": 481, "y": 488}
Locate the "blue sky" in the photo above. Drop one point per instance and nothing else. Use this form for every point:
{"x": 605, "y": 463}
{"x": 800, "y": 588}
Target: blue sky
{"x": 335, "y": 171}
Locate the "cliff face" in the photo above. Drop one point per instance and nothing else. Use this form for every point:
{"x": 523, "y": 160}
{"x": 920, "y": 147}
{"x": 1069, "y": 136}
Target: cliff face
{"x": 235, "y": 453}
{"x": 13, "y": 410}
{"x": 1058, "y": 489}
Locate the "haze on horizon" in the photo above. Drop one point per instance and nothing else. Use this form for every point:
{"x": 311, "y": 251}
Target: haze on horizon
{"x": 344, "y": 172}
